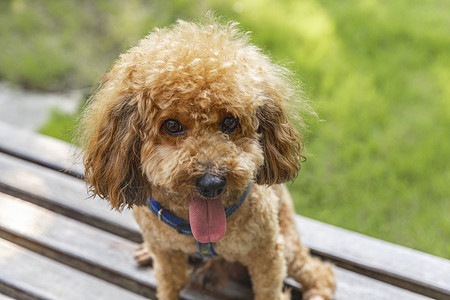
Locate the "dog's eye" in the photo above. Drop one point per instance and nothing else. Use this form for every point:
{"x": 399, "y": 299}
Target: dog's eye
{"x": 230, "y": 124}
{"x": 173, "y": 127}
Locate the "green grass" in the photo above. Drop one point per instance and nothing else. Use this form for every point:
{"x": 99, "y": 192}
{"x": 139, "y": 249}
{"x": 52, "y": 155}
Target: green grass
{"x": 377, "y": 73}
{"x": 61, "y": 125}
{"x": 59, "y": 44}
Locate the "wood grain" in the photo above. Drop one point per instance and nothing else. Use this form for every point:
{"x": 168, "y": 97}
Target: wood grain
{"x": 63, "y": 194}
{"x": 40, "y": 149}
{"x": 27, "y": 275}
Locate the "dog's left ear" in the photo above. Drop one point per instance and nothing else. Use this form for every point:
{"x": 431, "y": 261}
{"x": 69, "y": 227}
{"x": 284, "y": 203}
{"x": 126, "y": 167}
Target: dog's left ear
{"x": 281, "y": 144}
{"x": 112, "y": 150}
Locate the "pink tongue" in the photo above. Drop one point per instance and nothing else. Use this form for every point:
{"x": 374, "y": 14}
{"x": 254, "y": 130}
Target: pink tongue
{"x": 207, "y": 218}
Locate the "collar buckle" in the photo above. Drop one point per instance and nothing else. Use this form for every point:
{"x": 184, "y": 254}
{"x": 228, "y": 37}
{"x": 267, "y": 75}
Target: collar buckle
{"x": 160, "y": 214}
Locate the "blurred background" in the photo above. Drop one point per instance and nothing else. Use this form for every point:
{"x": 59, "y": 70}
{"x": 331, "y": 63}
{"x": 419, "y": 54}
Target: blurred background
{"x": 376, "y": 72}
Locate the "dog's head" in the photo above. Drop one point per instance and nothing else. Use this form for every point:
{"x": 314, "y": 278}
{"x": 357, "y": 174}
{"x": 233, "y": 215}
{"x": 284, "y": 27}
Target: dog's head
{"x": 194, "y": 111}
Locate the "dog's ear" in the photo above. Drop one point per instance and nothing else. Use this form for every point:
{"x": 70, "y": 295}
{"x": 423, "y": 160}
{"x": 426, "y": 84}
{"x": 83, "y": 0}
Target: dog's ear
{"x": 281, "y": 144}
{"x": 112, "y": 151}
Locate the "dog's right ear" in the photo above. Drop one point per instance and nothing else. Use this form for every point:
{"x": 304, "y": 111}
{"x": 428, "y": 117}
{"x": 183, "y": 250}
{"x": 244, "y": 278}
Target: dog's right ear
{"x": 112, "y": 141}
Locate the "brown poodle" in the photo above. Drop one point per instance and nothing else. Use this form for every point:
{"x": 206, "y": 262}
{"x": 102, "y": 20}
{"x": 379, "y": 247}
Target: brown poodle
{"x": 190, "y": 129}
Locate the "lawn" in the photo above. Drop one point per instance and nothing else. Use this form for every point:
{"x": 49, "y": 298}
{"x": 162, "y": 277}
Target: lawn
{"x": 376, "y": 72}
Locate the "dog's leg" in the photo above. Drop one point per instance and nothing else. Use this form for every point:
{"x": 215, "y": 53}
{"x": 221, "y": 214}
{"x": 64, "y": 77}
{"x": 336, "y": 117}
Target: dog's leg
{"x": 171, "y": 272}
{"x": 315, "y": 276}
{"x": 267, "y": 269}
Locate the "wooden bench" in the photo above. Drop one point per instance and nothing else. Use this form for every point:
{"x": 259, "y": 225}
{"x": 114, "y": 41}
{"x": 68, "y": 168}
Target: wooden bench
{"x": 56, "y": 243}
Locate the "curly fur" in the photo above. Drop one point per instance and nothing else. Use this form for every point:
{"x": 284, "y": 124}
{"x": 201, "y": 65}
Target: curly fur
{"x": 199, "y": 74}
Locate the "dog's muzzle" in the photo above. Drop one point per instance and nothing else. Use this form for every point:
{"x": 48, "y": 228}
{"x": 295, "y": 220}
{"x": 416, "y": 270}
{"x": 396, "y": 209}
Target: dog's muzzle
{"x": 211, "y": 186}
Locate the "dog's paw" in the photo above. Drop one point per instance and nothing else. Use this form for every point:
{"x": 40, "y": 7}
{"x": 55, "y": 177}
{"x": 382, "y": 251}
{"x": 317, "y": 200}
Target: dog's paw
{"x": 314, "y": 296}
{"x": 143, "y": 257}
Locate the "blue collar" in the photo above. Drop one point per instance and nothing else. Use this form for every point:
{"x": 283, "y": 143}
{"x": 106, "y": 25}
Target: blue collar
{"x": 184, "y": 227}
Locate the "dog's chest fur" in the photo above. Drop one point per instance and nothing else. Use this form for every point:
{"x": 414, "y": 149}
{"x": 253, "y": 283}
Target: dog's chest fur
{"x": 254, "y": 225}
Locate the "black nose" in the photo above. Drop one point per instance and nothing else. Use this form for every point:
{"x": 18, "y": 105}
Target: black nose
{"x": 211, "y": 186}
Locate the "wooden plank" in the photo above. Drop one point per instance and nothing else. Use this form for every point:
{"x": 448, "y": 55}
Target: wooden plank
{"x": 404, "y": 267}
{"x": 110, "y": 257}
{"x": 354, "y": 286}
{"x": 4, "y": 297}
{"x": 63, "y": 194}
{"x": 39, "y": 149}
{"x": 351, "y": 285}
{"x": 26, "y": 275}
{"x": 398, "y": 265}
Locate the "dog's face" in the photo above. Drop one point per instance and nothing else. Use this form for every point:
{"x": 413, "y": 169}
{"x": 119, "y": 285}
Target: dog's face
{"x": 193, "y": 111}
{"x": 197, "y": 150}
{"x": 201, "y": 153}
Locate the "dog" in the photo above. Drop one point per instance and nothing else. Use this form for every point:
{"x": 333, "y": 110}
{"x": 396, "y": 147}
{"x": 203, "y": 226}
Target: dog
{"x": 190, "y": 129}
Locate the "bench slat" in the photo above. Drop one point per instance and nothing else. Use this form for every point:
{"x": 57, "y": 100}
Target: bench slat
{"x": 27, "y": 275}
{"x": 110, "y": 257}
{"x": 39, "y": 149}
{"x": 63, "y": 194}
{"x": 4, "y": 297}
{"x": 400, "y": 266}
